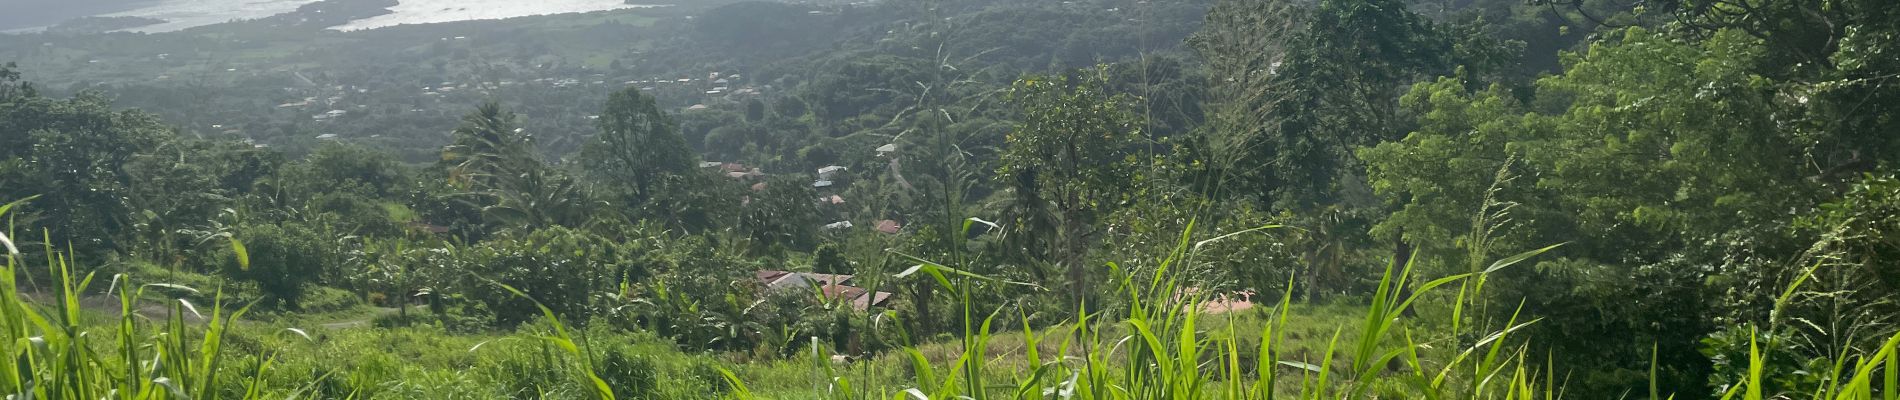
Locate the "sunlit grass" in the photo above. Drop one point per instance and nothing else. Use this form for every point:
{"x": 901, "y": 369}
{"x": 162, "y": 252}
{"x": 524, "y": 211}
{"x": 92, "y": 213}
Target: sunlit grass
{"x": 1151, "y": 345}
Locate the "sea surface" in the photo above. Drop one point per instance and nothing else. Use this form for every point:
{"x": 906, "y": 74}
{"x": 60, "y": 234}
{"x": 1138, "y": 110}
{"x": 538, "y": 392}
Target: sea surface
{"x": 32, "y": 14}
{"x": 434, "y": 11}
{"x": 185, "y": 14}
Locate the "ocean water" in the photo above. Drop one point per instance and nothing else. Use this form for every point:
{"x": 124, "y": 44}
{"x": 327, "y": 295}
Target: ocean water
{"x": 25, "y": 15}
{"x": 435, "y": 11}
{"x": 185, "y": 14}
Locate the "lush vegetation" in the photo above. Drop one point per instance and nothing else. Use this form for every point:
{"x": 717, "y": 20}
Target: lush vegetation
{"x": 1090, "y": 199}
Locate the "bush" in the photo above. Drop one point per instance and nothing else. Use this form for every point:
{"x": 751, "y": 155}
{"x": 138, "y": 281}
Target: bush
{"x": 630, "y": 375}
{"x": 561, "y": 268}
{"x": 284, "y": 259}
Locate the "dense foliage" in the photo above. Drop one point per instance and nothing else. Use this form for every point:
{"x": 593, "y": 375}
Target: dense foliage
{"x": 1546, "y": 198}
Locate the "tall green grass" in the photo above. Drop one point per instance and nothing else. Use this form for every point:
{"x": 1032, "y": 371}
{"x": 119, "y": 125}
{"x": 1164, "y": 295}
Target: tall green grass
{"x": 1157, "y": 346}
{"x": 58, "y": 356}
{"x": 1155, "y": 343}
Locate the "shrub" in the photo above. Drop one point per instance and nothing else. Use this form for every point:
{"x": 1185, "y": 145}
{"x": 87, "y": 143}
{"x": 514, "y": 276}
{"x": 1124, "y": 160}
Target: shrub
{"x": 284, "y": 259}
{"x": 630, "y": 375}
{"x": 561, "y": 268}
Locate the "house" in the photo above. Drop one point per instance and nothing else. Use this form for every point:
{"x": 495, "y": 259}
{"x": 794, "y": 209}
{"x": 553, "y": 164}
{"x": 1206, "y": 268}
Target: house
{"x": 838, "y": 225}
{"x": 887, "y": 150}
{"x": 821, "y": 184}
{"x": 327, "y": 136}
{"x": 827, "y": 173}
{"x": 830, "y": 285}
{"x": 835, "y": 200}
{"x": 698, "y": 107}
{"x": 758, "y": 187}
{"x": 889, "y": 227}
{"x": 710, "y": 164}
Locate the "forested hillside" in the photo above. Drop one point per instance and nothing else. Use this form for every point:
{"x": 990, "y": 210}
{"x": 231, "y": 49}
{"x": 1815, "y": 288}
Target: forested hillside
{"x": 1105, "y": 199}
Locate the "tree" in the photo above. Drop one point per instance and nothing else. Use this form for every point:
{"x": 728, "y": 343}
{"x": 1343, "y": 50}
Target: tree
{"x": 488, "y": 145}
{"x": 73, "y": 153}
{"x": 755, "y": 111}
{"x": 284, "y": 260}
{"x": 783, "y": 214}
{"x": 563, "y": 269}
{"x": 11, "y": 87}
{"x": 638, "y": 149}
{"x": 488, "y": 160}
{"x": 1653, "y": 156}
{"x": 1067, "y": 162}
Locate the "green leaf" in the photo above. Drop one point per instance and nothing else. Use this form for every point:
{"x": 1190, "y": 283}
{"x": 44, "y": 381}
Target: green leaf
{"x": 1513, "y": 260}
{"x": 243, "y": 256}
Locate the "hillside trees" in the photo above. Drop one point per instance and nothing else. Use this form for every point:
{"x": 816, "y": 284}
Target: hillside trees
{"x": 1653, "y": 160}
{"x": 782, "y": 215}
{"x": 499, "y": 172}
{"x": 639, "y": 155}
{"x": 1067, "y": 162}
{"x": 487, "y": 146}
{"x": 73, "y": 154}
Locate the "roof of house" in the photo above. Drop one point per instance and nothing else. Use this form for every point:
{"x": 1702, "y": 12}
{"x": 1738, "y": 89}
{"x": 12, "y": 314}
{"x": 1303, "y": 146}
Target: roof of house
{"x": 831, "y": 285}
{"x": 889, "y": 227}
{"x": 769, "y": 275}
{"x": 843, "y": 292}
{"x": 887, "y": 148}
{"x": 870, "y": 299}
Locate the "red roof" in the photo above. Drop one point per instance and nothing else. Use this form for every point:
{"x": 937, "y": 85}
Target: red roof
{"x": 889, "y": 227}
{"x": 832, "y": 285}
{"x": 867, "y": 300}
{"x": 843, "y": 292}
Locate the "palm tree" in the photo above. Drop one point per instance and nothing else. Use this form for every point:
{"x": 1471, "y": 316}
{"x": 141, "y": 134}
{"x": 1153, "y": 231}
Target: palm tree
{"x": 488, "y": 145}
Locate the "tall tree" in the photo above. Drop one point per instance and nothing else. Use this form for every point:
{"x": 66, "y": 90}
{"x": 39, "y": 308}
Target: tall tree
{"x": 638, "y": 149}
{"x": 487, "y": 145}
{"x": 1242, "y": 43}
{"x": 1068, "y": 162}
{"x": 73, "y": 153}
{"x": 489, "y": 160}
{"x": 1654, "y": 156}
